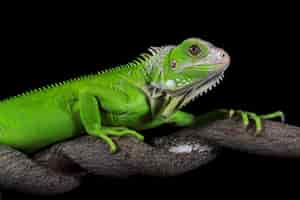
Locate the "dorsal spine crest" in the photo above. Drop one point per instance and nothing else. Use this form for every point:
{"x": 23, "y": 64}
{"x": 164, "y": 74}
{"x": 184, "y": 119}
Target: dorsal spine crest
{"x": 129, "y": 66}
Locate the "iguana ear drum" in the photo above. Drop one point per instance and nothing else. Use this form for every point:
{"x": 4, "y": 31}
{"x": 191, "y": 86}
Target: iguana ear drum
{"x": 173, "y": 64}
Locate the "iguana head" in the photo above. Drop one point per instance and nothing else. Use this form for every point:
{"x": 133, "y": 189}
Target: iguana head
{"x": 187, "y": 70}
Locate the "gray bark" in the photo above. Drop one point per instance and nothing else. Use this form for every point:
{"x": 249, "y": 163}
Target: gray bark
{"x": 60, "y": 167}
{"x": 277, "y": 139}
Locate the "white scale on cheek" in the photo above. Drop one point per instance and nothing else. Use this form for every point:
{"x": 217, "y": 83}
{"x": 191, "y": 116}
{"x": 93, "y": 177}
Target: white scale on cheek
{"x": 179, "y": 82}
{"x": 170, "y": 83}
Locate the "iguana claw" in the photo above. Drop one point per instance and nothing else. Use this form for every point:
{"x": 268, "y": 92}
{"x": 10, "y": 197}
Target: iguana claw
{"x": 256, "y": 118}
{"x": 119, "y": 132}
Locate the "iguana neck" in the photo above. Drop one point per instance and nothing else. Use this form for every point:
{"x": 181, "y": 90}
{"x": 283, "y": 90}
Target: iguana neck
{"x": 161, "y": 103}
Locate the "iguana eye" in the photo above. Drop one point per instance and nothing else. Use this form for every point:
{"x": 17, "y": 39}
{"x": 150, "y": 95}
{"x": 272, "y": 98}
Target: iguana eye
{"x": 194, "y": 50}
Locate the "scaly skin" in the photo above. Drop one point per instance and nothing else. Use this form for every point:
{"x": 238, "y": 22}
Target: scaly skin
{"x": 143, "y": 94}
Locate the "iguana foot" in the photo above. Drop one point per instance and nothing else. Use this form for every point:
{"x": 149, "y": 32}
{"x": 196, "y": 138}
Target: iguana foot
{"x": 258, "y": 119}
{"x": 116, "y": 131}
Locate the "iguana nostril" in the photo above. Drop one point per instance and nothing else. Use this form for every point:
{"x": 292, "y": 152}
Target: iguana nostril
{"x": 222, "y": 56}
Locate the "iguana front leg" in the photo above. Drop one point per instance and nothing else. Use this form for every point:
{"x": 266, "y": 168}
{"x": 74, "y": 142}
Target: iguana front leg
{"x": 179, "y": 118}
{"x": 186, "y": 119}
{"x": 90, "y": 117}
{"x": 183, "y": 119}
{"x": 257, "y": 118}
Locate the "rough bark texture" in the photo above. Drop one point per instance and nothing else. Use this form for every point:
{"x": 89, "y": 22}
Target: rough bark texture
{"x": 59, "y": 168}
{"x": 23, "y": 174}
{"x": 277, "y": 139}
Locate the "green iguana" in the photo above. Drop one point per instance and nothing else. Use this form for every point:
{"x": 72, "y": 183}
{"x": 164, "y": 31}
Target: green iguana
{"x": 142, "y": 94}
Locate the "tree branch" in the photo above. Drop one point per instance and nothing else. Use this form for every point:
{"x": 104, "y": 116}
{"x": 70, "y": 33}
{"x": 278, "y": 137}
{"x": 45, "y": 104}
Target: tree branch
{"x": 59, "y": 168}
{"x": 277, "y": 139}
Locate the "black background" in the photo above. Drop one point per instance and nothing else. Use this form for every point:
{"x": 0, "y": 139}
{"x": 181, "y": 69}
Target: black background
{"x": 43, "y": 46}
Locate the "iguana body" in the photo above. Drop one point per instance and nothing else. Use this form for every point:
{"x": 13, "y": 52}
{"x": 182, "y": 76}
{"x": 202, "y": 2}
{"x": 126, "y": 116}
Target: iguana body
{"x": 143, "y": 94}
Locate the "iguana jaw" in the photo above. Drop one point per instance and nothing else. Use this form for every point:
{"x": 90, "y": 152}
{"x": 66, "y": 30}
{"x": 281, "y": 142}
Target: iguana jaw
{"x": 215, "y": 64}
{"x": 189, "y": 92}
{"x": 202, "y": 86}
{"x": 186, "y": 94}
